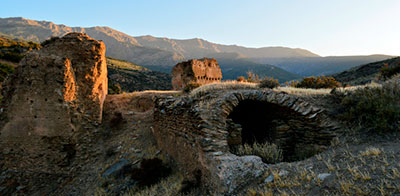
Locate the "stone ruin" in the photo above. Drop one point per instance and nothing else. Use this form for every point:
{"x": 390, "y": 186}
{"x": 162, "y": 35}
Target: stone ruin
{"x": 54, "y": 92}
{"x": 198, "y": 132}
{"x": 202, "y": 71}
{"x": 57, "y": 95}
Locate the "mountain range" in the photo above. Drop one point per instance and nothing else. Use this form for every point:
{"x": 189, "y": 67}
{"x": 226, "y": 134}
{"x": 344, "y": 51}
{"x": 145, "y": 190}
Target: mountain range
{"x": 162, "y": 54}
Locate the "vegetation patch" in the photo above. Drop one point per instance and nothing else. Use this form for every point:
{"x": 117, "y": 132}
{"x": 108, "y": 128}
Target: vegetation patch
{"x": 388, "y": 72}
{"x": 318, "y": 82}
{"x": 269, "y": 83}
{"x": 5, "y": 70}
{"x": 191, "y": 86}
{"x": 269, "y": 152}
{"x": 376, "y": 109}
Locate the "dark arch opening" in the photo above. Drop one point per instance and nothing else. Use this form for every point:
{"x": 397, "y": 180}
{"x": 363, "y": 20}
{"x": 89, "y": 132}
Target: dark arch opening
{"x": 261, "y": 122}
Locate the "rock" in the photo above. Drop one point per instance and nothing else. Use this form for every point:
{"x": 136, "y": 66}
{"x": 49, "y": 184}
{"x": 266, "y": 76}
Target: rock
{"x": 20, "y": 188}
{"x": 283, "y": 173}
{"x": 219, "y": 153}
{"x": 323, "y": 176}
{"x": 269, "y": 179}
{"x": 203, "y": 71}
{"x": 115, "y": 169}
{"x": 234, "y": 172}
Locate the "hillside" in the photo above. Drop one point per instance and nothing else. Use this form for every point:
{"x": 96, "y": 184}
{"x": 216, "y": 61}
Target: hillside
{"x": 11, "y": 52}
{"x": 232, "y": 69}
{"x": 132, "y": 77}
{"x": 364, "y": 74}
{"x": 314, "y": 66}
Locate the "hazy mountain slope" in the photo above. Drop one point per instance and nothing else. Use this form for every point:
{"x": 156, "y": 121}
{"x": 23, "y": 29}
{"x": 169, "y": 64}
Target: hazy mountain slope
{"x": 232, "y": 69}
{"x": 365, "y": 73}
{"x": 196, "y": 48}
{"x": 314, "y": 66}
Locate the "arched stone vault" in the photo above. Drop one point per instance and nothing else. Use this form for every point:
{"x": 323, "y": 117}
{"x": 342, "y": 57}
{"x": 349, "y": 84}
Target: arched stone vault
{"x": 195, "y": 132}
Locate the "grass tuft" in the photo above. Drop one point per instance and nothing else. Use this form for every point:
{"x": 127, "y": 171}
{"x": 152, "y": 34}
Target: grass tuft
{"x": 269, "y": 152}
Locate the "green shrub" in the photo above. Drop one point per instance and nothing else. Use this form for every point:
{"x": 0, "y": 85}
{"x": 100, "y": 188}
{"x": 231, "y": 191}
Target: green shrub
{"x": 5, "y": 70}
{"x": 269, "y": 152}
{"x": 318, "y": 82}
{"x": 269, "y": 83}
{"x": 387, "y": 72}
{"x": 12, "y": 56}
{"x": 114, "y": 88}
{"x": 190, "y": 86}
{"x": 374, "y": 108}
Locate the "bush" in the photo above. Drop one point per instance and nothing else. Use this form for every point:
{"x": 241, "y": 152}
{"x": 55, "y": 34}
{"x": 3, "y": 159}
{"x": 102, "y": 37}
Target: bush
{"x": 241, "y": 79}
{"x": 292, "y": 83}
{"x": 269, "y": 83}
{"x": 374, "y": 108}
{"x": 12, "y": 56}
{"x": 114, "y": 88}
{"x": 5, "y": 70}
{"x": 387, "y": 72}
{"x": 49, "y": 41}
{"x": 318, "y": 82}
{"x": 269, "y": 152}
{"x": 252, "y": 77}
{"x": 190, "y": 86}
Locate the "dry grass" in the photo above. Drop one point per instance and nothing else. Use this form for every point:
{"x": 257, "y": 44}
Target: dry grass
{"x": 371, "y": 151}
{"x": 369, "y": 171}
{"x": 303, "y": 91}
{"x": 269, "y": 153}
{"x": 226, "y": 85}
{"x": 169, "y": 186}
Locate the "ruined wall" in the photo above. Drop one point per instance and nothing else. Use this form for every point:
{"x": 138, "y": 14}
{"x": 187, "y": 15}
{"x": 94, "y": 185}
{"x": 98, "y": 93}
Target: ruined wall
{"x": 177, "y": 131}
{"x": 195, "y": 131}
{"x": 53, "y": 93}
{"x": 203, "y": 71}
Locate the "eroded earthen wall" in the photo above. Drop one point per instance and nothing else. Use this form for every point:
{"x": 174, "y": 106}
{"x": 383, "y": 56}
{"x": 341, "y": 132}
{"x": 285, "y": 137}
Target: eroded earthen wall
{"x": 202, "y": 71}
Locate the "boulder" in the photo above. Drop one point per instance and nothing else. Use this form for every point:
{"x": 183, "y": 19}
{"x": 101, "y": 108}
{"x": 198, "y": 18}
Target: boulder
{"x": 202, "y": 71}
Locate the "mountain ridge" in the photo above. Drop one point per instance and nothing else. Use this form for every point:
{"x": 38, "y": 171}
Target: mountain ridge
{"x": 175, "y": 45}
{"x": 163, "y": 53}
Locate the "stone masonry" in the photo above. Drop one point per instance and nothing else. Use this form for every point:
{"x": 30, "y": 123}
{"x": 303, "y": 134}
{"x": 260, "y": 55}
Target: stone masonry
{"x": 202, "y": 71}
{"x": 196, "y": 131}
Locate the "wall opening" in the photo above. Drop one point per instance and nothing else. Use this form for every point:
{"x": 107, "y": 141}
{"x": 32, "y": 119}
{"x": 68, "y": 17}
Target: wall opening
{"x": 262, "y": 122}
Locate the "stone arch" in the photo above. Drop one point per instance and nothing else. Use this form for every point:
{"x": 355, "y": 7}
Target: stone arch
{"x": 296, "y": 126}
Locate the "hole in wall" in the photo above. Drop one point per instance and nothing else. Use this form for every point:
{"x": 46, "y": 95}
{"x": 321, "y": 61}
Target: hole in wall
{"x": 272, "y": 130}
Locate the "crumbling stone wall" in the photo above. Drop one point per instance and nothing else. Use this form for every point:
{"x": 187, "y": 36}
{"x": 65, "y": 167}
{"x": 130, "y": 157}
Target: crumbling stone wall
{"x": 202, "y": 71}
{"x": 55, "y": 93}
{"x": 205, "y": 145}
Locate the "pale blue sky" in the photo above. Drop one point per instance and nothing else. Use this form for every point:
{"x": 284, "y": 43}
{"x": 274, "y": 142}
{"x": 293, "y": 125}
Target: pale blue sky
{"x": 325, "y": 27}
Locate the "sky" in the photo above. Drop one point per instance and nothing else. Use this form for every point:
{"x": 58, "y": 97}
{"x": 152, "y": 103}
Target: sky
{"x": 325, "y": 27}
